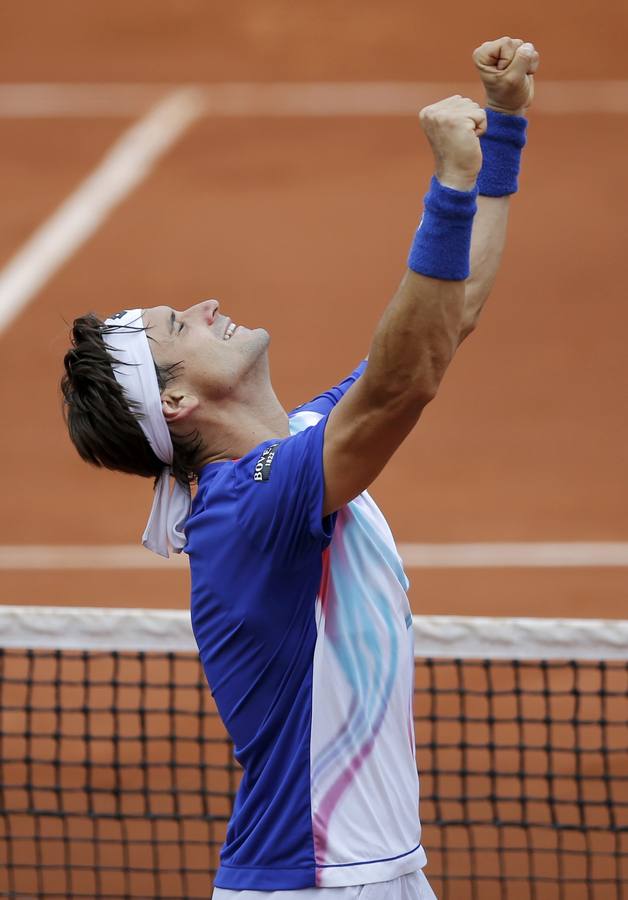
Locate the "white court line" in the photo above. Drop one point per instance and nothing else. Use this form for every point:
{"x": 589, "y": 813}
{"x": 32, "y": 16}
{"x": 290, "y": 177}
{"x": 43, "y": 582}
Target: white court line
{"x": 577, "y": 554}
{"x": 340, "y": 98}
{"x": 125, "y": 166}
{"x": 415, "y": 556}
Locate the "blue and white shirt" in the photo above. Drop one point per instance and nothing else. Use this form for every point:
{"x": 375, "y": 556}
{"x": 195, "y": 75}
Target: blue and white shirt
{"x": 305, "y": 634}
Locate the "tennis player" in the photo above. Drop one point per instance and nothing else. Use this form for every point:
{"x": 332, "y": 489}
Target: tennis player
{"x": 299, "y": 603}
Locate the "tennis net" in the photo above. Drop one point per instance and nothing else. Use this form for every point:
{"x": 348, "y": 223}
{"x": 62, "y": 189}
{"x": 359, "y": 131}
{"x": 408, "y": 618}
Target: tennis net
{"x": 117, "y": 779}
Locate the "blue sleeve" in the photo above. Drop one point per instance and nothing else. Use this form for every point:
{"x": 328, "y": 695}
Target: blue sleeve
{"x": 324, "y": 403}
{"x": 280, "y": 489}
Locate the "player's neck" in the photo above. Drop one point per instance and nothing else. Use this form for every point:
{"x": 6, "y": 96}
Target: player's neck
{"x": 234, "y": 429}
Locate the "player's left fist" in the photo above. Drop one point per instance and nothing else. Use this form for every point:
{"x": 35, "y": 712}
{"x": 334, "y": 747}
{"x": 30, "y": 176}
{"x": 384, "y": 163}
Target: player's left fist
{"x": 507, "y": 68}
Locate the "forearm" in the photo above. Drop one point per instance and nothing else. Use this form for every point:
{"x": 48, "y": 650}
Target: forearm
{"x": 415, "y": 339}
{"x": 419, "y": 332}
{"x": 498, "y": 180}
{"x": 487, "y": 245}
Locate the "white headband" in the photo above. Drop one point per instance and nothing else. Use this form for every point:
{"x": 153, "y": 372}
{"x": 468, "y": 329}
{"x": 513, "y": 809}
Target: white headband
{"x": 137, "y": 377}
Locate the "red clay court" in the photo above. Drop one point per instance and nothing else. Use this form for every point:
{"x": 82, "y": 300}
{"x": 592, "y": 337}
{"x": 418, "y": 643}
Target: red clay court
{"x": 279, "y": 167}
{"x": 302, "y": 223}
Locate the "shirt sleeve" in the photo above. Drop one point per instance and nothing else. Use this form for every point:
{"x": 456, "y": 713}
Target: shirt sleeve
{"x": 324, "y": 403}
{"x": 280, "y": 489}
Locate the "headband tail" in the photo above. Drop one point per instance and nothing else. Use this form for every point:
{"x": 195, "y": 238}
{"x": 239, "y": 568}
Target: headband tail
{"x": 167, "y": 516}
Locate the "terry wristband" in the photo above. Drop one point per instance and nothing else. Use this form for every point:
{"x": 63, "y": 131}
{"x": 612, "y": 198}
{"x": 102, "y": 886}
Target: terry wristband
{"x": 442, "y": 242}
{"x": 502, "y": 143}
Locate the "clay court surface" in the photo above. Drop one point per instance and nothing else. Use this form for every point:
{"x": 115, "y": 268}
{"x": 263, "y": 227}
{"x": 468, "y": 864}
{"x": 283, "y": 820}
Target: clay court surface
{"x": 301, "y": 223}
{"x": 296, "y": 212}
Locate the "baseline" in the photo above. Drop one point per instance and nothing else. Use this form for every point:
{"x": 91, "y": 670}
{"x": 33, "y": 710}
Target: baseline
{"x": 539, "y": 555}
{"x": 295, "y": 99}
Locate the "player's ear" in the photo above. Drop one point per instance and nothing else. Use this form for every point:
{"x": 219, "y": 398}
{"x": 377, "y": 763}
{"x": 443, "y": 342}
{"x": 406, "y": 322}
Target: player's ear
{"x": 177, "y": 405}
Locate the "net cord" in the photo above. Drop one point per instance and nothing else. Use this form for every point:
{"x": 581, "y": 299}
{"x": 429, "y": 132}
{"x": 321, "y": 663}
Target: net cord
{"x": 441, "y": 637}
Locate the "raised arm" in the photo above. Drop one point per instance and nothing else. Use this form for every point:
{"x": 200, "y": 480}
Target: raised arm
{"x": 506, "y": 68}
{"x": 420, "y": 330}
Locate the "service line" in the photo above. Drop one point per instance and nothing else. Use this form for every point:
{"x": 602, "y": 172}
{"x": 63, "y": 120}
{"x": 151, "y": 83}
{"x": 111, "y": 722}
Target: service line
{"x": 126, "y": 165}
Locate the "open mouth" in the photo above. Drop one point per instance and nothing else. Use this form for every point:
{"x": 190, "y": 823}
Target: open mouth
{"x": 231, "y": 327}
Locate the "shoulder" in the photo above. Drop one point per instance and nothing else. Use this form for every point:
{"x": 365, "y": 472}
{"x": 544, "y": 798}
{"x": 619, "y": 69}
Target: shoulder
{"x": 271, "y": 499}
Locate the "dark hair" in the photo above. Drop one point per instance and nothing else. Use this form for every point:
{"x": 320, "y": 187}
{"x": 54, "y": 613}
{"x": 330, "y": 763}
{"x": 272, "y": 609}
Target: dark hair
{"x": 102, "y": 427}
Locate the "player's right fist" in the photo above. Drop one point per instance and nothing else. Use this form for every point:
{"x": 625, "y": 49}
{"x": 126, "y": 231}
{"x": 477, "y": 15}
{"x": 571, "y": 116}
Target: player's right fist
{"x": 453, "y": 127}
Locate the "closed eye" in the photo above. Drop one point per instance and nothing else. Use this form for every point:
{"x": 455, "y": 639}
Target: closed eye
{"x": 174, "y": 322}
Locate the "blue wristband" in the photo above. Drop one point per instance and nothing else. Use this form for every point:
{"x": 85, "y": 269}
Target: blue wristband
{"x": 502, "y": 144}
{"x": 442, "y": 242}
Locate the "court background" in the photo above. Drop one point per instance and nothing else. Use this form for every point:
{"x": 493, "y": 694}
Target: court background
{"x": 301, "y": 224}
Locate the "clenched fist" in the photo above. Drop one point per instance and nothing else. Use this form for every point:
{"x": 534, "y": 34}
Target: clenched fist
{"x": 507, "y": 68}
{"x": 453, "y": 128}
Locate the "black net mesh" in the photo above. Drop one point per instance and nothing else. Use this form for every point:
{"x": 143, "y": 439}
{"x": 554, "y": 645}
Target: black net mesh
{"x": 117, "y": 778}
{"x": 524, "y": 778}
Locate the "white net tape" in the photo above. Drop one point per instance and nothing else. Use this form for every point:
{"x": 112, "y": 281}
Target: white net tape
{"x": 452, "y": 637}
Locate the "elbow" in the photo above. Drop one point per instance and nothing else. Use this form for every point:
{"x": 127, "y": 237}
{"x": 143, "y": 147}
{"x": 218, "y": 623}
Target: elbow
{"x": 409, "y": 396}
{"x": 411, "y": 380}
{"x": 467, "y": 328}
{"x": 424, "y": 384}
{"x": 438, "y": 355}
{"x": 427, "y": 386}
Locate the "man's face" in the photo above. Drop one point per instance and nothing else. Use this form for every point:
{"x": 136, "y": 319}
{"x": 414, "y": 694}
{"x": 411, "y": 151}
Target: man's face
{"x": 217, "y": 355}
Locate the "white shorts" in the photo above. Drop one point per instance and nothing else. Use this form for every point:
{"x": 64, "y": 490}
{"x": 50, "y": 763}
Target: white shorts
{"x": 414, "y": 886}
